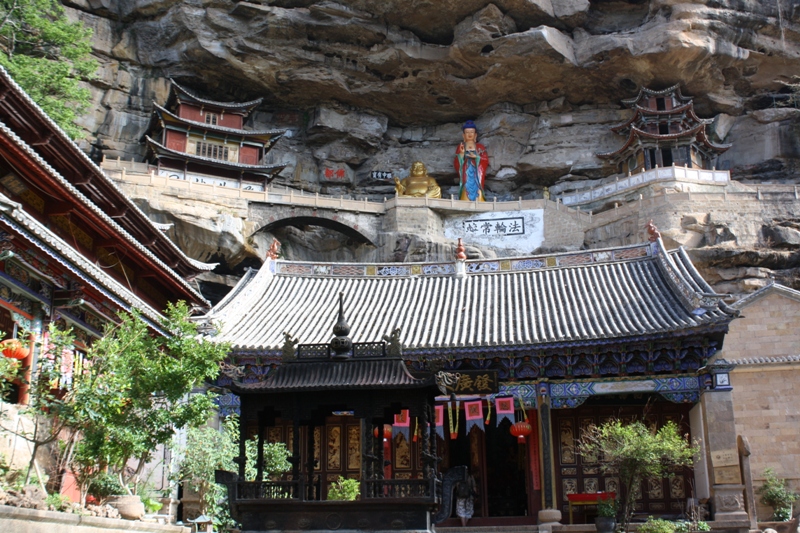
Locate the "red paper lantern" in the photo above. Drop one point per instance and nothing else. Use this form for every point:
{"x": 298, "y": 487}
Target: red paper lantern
{"x": 521, "y": 430}
{"x": 13, "y": 349}
{"x": 387, "y": 432}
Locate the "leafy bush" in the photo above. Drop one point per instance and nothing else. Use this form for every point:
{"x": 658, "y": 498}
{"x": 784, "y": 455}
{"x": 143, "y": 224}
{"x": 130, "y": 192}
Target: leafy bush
{"x": 57, "y": 502}
{"x": 344, "y": 489}
{"x": 687, "y": 527}
{"x": 151, "y": 505}
{"x": 775, "y": 493}
{"x": 634, "y": 452}
{"x": 104, "y": 485}
{"x": 657, "y": 525}
{"x": 607, "y": 507}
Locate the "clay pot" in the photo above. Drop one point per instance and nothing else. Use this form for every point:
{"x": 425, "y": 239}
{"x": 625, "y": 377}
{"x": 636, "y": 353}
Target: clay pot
{"x": 129, "y": 507}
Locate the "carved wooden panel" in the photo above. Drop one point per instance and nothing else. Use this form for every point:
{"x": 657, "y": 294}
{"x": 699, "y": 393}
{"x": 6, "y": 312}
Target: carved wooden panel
{"x": 353, "y": 447}
{"x": 334, "y": 447}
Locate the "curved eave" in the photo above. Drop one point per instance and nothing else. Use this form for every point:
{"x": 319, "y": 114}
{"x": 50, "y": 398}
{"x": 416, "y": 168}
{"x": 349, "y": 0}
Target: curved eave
{"x": 268, "y": 137}
{"x": 718, "y": 148}
{"x": 93, "y": 212}
{"x": 680, "y": 109}
{"x": 619, "y": 127}
{"x": 623, "y": 294}
{"x": 694, "y": 117}
{"x": 628, "y": 142}
{"x": 60, "y": 145}
{"x": 644, "y": 91}
{"x": 56, "y": 248}
{"x": 669, "y": 136}
{"x": 245, "y": 107}
{"x": 268, "y": 171}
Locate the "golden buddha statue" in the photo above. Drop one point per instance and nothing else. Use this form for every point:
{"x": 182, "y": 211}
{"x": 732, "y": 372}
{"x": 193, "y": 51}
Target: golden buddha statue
{"x": 418, "y": 183}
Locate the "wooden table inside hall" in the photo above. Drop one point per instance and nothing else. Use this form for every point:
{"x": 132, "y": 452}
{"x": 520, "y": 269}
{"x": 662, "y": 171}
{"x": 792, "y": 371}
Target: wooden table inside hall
{"x": 589, "y": 498}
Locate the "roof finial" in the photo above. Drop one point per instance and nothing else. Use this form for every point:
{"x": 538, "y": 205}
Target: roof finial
{"x": 274, "y": 249}
{"x": 461, "y": 252}
{"x": 341, "y": 344}
{"x": 652, "y": 231}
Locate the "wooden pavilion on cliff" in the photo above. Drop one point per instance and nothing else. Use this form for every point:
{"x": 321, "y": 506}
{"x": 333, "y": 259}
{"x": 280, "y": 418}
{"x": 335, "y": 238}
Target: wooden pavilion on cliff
{"x": 663, "y": 130}
{"x": 569, "y": 339}
{"x": 191, "y": 138}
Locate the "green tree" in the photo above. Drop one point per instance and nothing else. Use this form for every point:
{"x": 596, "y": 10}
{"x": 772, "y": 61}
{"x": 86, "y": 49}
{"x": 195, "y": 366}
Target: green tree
{"x": 635, "y": 452}
{"x": 207, "y": 450}
{"x": 48, "y": 55}
{"x": 775, "y": 493}
{"x": 141, "y": 388}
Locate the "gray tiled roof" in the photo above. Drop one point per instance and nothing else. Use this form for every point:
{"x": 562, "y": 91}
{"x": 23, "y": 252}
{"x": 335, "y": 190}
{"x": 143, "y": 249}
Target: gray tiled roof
{"x": 339, "y": 375}
{"x": 568, "y": 298}
{"x": 97, "y": 171}
{"x": 766, "y": 360}
{"x": 55, "y": 247}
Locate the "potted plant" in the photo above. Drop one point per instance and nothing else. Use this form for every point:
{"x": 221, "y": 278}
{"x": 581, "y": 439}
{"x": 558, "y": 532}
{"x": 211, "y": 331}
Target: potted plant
{"x": 344, "y": 489}
{"x": 606, "y": 520}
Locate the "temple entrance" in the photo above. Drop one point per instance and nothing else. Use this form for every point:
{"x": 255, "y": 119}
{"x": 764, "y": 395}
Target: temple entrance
{"x": 506, "y": 465}
{"x": 501, "y": 466}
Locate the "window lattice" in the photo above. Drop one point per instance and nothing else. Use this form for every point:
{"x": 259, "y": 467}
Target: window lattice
{"x": 211, "y": 150}
{"x": 211, "y": 118}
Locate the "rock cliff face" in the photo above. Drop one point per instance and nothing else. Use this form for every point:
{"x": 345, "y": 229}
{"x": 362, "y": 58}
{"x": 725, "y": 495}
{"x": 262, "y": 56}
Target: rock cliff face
{"x": 370, "y": 86}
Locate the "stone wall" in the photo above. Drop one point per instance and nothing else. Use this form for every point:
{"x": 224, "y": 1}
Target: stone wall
{"x": 16, "y": 520}
{"x": 766, "y": 338}
{"x": 769, "y": 327}
{"x": 767, "y": 413}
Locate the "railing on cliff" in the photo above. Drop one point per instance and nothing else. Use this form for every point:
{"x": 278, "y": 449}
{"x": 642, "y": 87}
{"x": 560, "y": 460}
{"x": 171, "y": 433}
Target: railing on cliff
{"x": 636, "y": 181}
{"x": 144, "y": 174}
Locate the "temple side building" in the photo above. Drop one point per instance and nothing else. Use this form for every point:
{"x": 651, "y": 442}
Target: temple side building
{"x": 73, "y": 248}
{"x": 563, "y": 341}
{"x": 663, "y": 130}
{"x": 205, "y": 141}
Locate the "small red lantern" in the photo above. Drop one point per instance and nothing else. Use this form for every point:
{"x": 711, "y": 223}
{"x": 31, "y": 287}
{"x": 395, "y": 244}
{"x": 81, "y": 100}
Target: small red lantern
{"x": 13, "y": 349}
{"x": 521, "y": 430}
{"x": 387, "y": 432}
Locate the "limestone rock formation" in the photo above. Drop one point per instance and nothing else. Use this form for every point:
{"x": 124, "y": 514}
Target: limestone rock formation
{"x": 372, "y": 86}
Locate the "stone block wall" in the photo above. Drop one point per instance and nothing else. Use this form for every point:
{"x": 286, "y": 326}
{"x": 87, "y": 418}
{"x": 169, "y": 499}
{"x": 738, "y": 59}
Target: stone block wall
{"x": 563, "y": 229}
{"x": 770, "y": 327}
{"x": 767, "y": 413}
{"x": 765, "y": 404}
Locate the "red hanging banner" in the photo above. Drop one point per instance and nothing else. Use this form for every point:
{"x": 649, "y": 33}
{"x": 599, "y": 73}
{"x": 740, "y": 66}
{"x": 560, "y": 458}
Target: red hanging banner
{"x": 439, "y": 410}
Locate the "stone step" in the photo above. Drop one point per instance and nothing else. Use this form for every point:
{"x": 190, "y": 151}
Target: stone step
{"x": 489, "y": 529}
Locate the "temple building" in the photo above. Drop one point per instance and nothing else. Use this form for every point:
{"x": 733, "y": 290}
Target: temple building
{"x": 526, "y": 353}
{"x": 74, "y": 249}
{"x": 205, "y": 141}
{"x": 663, "y": 130}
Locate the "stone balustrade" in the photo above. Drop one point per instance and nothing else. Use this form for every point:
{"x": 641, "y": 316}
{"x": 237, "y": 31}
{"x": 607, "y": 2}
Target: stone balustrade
{"x": 635, "y": 181}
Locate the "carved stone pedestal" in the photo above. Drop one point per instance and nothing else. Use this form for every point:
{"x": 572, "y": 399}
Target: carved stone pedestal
{"x": 729, "y": 503}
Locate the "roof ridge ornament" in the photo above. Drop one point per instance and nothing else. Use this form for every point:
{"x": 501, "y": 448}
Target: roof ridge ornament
{"x": 652, "y": 231}
{"x": 274, "y": 249}
{"x": 341, "y": 344}
{"x": 461, "y": 257}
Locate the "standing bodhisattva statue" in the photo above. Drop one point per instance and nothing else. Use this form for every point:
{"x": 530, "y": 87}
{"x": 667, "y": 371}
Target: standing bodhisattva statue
{"x": 471, "y": 162}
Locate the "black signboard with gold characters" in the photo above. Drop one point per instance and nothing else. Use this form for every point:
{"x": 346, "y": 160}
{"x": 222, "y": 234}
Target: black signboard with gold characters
{"x": 473, "y": 382}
